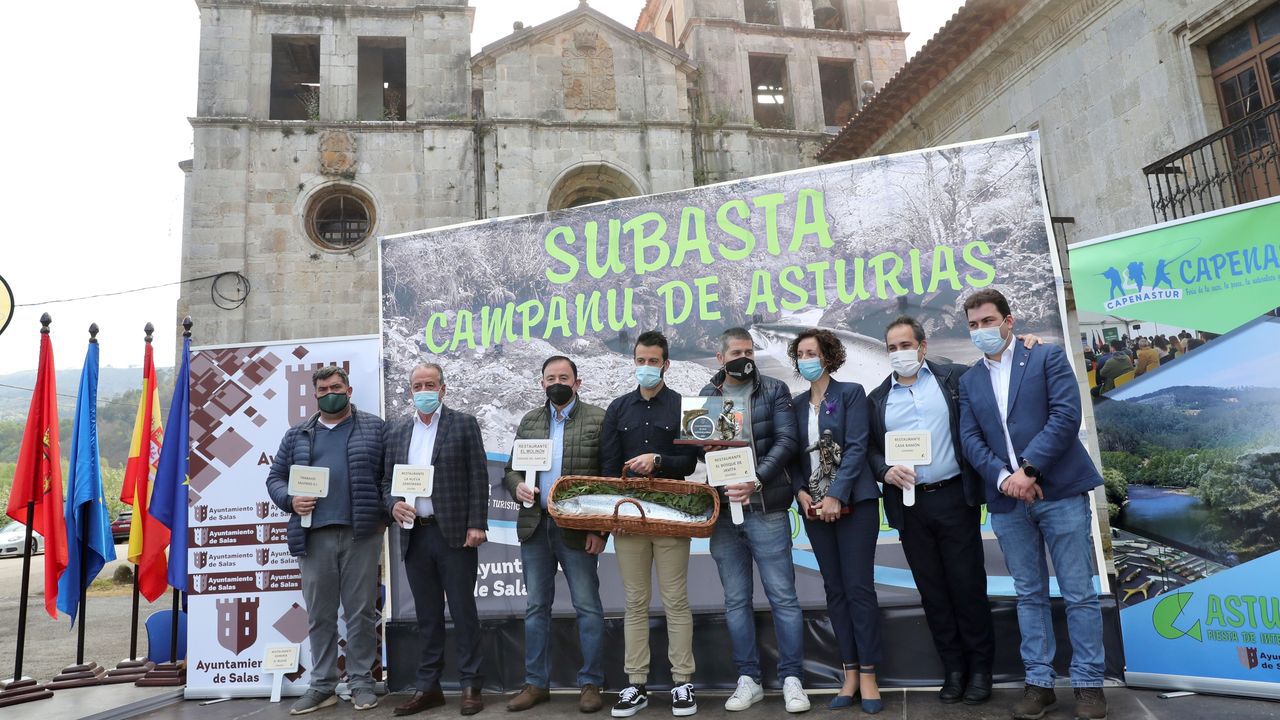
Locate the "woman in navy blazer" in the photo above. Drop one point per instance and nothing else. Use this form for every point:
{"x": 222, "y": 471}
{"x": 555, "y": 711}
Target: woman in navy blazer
{"x": 843, "y": 525}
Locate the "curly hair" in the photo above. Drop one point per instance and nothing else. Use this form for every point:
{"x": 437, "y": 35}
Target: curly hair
{"x": 829, "y": 347}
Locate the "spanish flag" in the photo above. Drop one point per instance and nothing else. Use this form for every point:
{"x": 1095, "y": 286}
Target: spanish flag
{"x": 148, "y": 538}
{"x": 37, "y": 482}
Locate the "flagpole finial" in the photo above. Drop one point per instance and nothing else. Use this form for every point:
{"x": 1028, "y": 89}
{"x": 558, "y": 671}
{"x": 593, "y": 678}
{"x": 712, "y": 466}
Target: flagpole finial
{"x": 44, "y": 323}
{"x": 93, "y": 333}
{"x": 149, "y": 329}
{"x": 186, "y": 327}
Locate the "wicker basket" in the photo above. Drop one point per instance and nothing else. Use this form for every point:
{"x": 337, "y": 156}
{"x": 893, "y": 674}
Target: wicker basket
{"x": 637, "y": 525}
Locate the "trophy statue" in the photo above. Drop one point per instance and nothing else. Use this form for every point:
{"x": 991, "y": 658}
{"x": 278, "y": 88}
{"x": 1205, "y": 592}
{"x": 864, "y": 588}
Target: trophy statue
{"x": 825, "y": 471}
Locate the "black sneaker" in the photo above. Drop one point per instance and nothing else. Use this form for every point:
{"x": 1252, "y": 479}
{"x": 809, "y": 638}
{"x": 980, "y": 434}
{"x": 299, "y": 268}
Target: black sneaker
{"x": 631, "y": 700}
{"x": 683, "y": 703}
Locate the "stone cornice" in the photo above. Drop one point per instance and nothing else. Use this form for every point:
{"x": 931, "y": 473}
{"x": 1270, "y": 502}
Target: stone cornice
{"x": 313, "y": 9}
{"x": 352, "y": 125}
{"x": 783, "y": 31}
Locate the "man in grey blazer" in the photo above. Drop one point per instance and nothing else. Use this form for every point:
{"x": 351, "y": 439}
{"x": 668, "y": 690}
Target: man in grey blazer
{"x": 440, "y": 551}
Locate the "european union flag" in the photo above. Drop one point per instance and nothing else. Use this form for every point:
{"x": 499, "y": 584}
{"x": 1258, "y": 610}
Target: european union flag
{"x": 169, "y": 494}
{"x": 89, "y": 543}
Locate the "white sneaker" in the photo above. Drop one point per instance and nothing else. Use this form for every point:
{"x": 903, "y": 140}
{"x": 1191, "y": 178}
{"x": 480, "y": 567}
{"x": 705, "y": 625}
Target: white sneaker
{"x": 748, "y": 693}
{"x": 793, "y": 693}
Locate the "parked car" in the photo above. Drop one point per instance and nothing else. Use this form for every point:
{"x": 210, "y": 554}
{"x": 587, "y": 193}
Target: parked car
{"x": 120, "y": 527}
{"x": 13, "y": 535}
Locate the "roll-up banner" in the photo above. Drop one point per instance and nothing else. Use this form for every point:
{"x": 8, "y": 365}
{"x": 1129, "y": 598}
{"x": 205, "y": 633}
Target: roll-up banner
{"x": 1188, "y": 420}
{"x": 848, "y": 247}
{"x": 245, "y": 589}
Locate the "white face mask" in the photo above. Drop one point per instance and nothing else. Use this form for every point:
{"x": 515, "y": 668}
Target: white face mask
{"x": 906, "y": 363}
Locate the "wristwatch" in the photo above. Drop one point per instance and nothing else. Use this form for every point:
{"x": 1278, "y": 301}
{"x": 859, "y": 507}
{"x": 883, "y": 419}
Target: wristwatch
{"x": 657, "y": 461}
{"x": 1030, "y": 470}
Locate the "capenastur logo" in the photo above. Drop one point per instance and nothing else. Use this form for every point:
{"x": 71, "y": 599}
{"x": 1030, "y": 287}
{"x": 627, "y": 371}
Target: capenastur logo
{"x": 1166, "y": 614}
{"x": 6, "y": 304}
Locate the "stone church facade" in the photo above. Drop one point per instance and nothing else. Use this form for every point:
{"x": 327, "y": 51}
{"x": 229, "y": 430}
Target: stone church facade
{"x": 321, "y": 126}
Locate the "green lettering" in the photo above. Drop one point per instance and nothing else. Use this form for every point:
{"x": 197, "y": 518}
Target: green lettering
{"x": 970, "y": 256}
{"x": 643, "y": 241}
{"x": 667, "y": 292}
{"x": 819, "y": 270}
{"x": 557, "y": 317}
{"x": 496, "y": 325}
{"x": 621, "y": 319}
{"x": 613, "y": 261}
{"x": 1234, "y": 617}
{"x": 429, "y": 334}
{"x": 761, "y": 292}
{"x": 769, "y": 203}
{"x": 801, "y": 296}
{"x": 811, "y": 219}
{"x": 564, "y": 256}
{"x": 944, "y": 267}
{"x": 722, "y": 221}
{"x": 588, "y": 312}
{"x": 1213, "y": 614}
{"x": 1270, "y": 612}
{"x": 885, "y": 277}
{"x": 693, "y": 219}
{"x": 530, "y": 309}
{"x": 462, "y": 332}
{"x": 917, "y": 284}
{"x": 859, "y": 291}
{"x": 706, "y": 297}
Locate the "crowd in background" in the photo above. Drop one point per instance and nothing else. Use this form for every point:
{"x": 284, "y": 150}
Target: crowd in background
{"x": 1137, "y": 355}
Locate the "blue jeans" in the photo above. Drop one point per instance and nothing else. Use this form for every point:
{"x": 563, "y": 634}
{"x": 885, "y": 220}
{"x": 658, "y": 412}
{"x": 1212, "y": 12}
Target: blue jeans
{"x": 540, "y": 554}
{"x": 1063, "y": 526}
{"x": 765, "y": 538}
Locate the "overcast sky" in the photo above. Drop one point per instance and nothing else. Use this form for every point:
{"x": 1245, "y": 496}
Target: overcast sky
{"x": 95, "y": 125}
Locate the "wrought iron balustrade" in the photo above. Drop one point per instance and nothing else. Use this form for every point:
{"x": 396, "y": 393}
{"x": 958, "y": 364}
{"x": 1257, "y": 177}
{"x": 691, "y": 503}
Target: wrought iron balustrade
{"x": 1240, "y": 163}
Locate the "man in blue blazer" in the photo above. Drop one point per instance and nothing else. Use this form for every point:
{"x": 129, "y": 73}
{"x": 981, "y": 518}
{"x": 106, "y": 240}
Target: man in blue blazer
{"x": 440, "y": 549}
{"x": 1019, "y": 425}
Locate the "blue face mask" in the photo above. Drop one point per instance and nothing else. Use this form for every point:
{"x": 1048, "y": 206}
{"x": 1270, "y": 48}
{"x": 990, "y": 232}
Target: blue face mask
{"x": 988, "y": 340}
{"x": 427, "y": 401}
{"x": 648, "y": 376}
{"x": 810, "y": 368}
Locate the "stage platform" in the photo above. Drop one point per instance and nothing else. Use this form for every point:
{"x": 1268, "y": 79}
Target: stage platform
{"x": 904, "y": 705}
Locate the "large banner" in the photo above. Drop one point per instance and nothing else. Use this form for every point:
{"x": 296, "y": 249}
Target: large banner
{"x": 847, "y": 247}
{"x": 245, "y": 587}
{"x": 1187, "y": 403}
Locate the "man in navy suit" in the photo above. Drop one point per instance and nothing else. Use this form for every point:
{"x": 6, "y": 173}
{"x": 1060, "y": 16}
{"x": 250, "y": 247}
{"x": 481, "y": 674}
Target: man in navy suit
{"x": 440, "y": 550}
{"x": 1019, "y": 420}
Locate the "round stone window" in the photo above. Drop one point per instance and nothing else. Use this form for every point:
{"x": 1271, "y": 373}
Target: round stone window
{"x": 339, "y": 218}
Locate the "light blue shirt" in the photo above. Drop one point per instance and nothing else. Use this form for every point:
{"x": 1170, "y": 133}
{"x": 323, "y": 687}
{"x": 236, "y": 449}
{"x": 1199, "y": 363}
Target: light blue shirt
{"x": 547, "y": 478}
{"x": 922, "y": 406}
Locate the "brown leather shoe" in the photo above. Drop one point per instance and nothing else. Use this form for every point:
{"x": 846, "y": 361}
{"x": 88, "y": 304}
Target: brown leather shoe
{"x": 419, "y": 702}
{"x": 589, "y": 701}
{"x": 471, "y": 701}
{"x": 531, "y": 695}
{"x": 1035, "y": 702}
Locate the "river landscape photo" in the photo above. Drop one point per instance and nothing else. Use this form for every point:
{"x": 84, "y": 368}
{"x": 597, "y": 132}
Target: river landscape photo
{"x": 1191, "y": 458}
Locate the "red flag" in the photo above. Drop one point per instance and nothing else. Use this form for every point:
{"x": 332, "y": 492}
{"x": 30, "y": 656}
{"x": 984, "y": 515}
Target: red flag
{"x": 148, "y": 537}
{"x": 38, "y": 477}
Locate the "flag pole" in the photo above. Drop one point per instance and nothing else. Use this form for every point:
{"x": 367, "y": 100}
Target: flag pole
{"x": 133, "y": 667}
{"x": 22, "y": 689}
{"x": 173, "y": 672}
{"x": 82, "y": 674}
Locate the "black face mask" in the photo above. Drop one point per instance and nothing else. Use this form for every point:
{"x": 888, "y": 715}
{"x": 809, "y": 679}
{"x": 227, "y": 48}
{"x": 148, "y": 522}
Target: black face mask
{"x": 742, "y": 369}
{"x": 559, "y": 394}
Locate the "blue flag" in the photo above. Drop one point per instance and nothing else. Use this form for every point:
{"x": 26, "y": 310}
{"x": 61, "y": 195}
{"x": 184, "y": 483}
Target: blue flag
{"x": 169, "y": 494}
{"x": 89, "y": 543}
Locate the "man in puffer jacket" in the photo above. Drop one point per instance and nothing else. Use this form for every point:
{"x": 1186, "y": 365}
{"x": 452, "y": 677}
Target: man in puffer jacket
{"x": 339, "y": 553}
{"x": 765, "y": 535}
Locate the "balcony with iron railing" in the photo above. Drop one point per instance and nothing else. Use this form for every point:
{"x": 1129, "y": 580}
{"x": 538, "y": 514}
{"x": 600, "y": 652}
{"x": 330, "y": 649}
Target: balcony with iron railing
{"x": 1240, "y": 163}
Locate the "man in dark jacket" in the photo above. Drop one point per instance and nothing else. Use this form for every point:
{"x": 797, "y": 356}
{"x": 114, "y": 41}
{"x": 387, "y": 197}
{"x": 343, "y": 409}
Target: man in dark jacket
{"x": 440, "y": 552}
{"x": 338, "y": 555}
{"x": 573, "y": 427}
{"x": 765, "y": 535}
{"x": 940, "y": 531}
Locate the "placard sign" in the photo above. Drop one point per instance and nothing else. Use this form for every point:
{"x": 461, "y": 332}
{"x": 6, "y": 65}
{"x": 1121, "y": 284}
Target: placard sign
{"x": 412, "y": 482}
{"x": 730, "y": 467}
{"x": 909, "y": 448}
{"x": 531, "y": 456}
{"x": 279, "y": 660}
{"x": 307, "y": 481}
